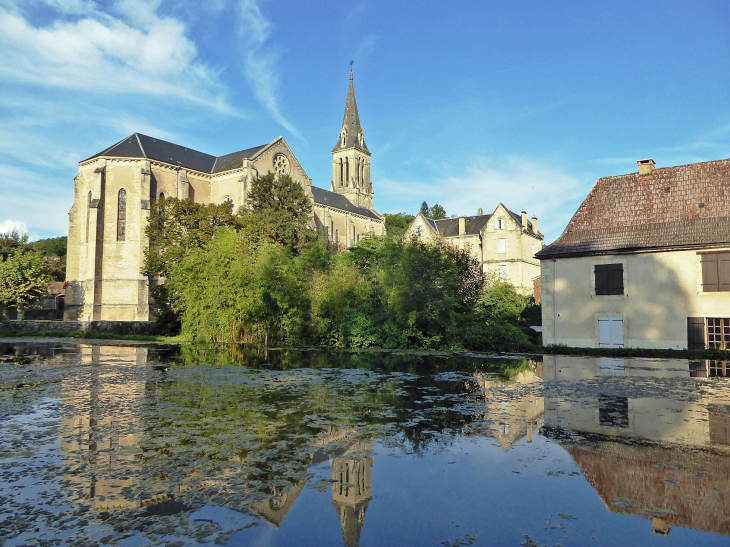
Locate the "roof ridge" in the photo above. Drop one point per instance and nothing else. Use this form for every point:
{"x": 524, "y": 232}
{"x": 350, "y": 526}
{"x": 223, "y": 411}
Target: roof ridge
{"x": 140, "y": 145}
{"x": 113, "y": 146}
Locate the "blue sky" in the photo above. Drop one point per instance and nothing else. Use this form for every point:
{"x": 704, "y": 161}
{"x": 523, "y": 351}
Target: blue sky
{"x": 466, "y": 104}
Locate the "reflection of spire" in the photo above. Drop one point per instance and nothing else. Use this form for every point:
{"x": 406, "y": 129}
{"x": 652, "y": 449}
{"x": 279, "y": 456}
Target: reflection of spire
{"x": 351, "y": 482}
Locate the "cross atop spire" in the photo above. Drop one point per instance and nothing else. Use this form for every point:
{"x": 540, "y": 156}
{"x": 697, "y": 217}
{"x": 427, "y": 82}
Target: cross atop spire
{"x": 351, "y": 134}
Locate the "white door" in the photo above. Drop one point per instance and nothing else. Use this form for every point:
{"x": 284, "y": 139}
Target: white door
{"x": 611, "y": 332}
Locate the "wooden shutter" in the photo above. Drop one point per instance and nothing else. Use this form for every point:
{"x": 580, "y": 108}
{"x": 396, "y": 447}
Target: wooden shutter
{"x": 617, "y": 332}
{"x": 601, "y": 273}
{"x": 710, "y": 281}
{"x": 604, "y": 332}
{"x": 723, "y": 271}
{"x": 615, "y": 279}
{"x": 695, "y": 333}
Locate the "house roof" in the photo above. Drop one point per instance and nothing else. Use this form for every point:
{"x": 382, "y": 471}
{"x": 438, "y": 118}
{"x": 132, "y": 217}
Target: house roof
{"x": 338, "y": 201}
{"x": 142, "y": 146}
{"x": 687, "y": 205}
{"x": 448, "y": 227}
{"x": 351, "y": 124}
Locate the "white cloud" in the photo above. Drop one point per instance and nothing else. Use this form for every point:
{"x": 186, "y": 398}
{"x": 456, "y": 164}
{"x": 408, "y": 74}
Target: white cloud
{"x": 97, "y": 52}
{"x": 9, "y": 225}
{"x": 259, "y": 66}
{"x": 520, "y": 184}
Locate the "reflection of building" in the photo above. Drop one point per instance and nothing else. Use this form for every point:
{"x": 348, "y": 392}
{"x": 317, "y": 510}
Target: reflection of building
{"x": 503, "y": 242}
{"x": 351, "y": 482}
{"x": 114, "y": 190}
{"x": 644, "y": 262}
{"x": 661, "y": 451}
{"x": 511, "y": 410}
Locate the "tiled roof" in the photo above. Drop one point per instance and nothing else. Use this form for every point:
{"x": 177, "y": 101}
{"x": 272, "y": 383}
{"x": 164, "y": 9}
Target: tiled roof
{"x": 449, "y": 227}
{"x": 142, "y": 146}
{"x": 687, "y": 205}
{"x": 338, "y": 201}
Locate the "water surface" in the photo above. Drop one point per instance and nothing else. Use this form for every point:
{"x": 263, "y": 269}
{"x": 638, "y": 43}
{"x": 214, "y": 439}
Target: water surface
{"x": 213, "y": 445}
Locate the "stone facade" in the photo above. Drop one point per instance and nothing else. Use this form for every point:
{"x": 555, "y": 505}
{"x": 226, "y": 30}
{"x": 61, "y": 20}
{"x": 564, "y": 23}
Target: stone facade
{"x": 632, "y": 269}
{"x": 504, "y": 242}
{"x": 114, "y": 190}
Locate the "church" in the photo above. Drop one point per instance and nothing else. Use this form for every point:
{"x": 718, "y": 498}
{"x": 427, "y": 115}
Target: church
{"x": 115, "y": 188}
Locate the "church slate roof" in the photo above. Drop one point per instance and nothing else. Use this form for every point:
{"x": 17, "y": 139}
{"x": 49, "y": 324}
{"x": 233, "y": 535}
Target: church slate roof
{"x": 338, "y": 201}
{"x": 683, "y": 206}
{"x": 351, "y": 123}
{"x": 142, "y": 146}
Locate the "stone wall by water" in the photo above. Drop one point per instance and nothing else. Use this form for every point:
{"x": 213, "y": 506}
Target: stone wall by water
{"x": 112, "y": 327}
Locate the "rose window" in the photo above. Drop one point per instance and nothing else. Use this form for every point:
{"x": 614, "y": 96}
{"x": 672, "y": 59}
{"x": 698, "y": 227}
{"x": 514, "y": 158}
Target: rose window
{"x": 281, "y": 165}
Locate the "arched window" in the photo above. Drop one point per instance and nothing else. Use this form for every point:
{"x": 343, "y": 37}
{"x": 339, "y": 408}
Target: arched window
{"x": 228, "y": 201}
{"x": 353, "y": 233}
{"x": 337, "y": 237}
{"x": 162, "y": 195}
{"x": 347, "y": 170}
{"x": 88, "y": 216}
{"x": 332, "y": 228}
{"x": 121, "y": 214}
{"x": 343, "y": 136}
{"x": 342, "y": 176}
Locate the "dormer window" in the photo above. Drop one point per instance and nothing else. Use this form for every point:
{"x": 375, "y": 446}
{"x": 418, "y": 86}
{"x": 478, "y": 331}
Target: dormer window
{"x": 361, "y": 138}
{"x": 499, "y": 224}
{"x": 343, "y": 136}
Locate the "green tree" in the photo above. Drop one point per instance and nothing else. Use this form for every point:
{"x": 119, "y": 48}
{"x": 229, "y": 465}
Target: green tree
{"x": 23, "y": 279}
{"x": 12, "y": 242}
{"x": 480, "y": 211}
{"x": 283, "y": 203}
{"x": 438, "y": 212}
{"x": 54, "y": 249}
{"x": 397, "y": 224}
{"x": 424, "y": 210}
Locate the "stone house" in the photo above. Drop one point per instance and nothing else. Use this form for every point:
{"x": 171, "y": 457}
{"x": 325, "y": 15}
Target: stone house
{"x": 644, "y": 262}
{"x": 115, "y": 189}
{"x": 503, "y": 242}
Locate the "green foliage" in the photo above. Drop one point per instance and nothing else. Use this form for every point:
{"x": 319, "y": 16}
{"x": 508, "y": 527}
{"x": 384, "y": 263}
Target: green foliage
{"x": 438, "y": 212}
{"x": 502, "y": 303}
{"x": 283, "y": 203}
{"x": 12, "y": 242}
{"x": 23, "y": 279}
{"x": 397, "y": 224}
{"x": 54, "y": 249}
{"x": 239, "y": 288}
{"x": 424, "y": 210}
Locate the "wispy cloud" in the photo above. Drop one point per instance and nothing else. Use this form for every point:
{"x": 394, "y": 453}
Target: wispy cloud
{"x": 130, "y": 51}
{"x": 260, "y": 62}
{"x": 521, "y": 184}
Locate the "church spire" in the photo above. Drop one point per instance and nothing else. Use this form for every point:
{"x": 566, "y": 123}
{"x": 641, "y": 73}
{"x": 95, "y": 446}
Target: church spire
{"x": 351, "y": 134}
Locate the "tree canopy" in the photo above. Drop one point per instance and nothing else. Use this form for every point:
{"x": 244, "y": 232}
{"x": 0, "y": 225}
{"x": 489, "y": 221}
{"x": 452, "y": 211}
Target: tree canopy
{"x": 438, "y": 212}
{"x": 397, "y": 224}
{"x": 24, "y": 277}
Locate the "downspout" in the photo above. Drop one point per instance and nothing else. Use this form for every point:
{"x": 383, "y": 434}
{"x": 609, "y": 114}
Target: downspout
{"x": 555, "y": 303}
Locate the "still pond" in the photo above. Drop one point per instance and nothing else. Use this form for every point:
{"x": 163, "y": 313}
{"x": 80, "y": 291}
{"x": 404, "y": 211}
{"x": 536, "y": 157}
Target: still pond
{"x": 212, "y": 445}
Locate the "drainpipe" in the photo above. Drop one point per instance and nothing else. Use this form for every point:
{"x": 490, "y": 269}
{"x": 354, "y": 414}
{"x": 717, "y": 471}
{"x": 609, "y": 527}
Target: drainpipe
{"x": 555, "y": 303}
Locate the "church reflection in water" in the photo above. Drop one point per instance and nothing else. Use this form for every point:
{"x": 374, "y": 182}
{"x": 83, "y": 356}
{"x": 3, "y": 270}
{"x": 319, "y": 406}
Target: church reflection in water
{"x": 654, "y": 449}
{"x": 660, "y": 452}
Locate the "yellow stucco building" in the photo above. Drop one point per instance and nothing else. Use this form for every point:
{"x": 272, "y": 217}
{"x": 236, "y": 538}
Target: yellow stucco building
{"x": 115, "y": 188}
{"x": 644, "y": 262}
{"x": 503, "y": 242}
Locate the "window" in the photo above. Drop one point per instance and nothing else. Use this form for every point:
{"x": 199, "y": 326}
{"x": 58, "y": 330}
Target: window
{"x": 88, "y": 216}
{"x": 342, "y": 176}
{"x": 347, "y": 170}
{"x": 228, "y": 202}
{"x": 715, "y": 272}
{"x": 337, "y": 237}
{"x": 419, "y": 231}
{"x": 353, "y": 233}
{"x": 609, "y": 278}
{"x": 501, "y": 245}
{"x": 502, "y": 271}
{"x": 718, "y": 333}
{"x": 610, "y": 332}
{"x": 499, "y": 225}
{"x": 121, "y": 214}
{"x": 332, "y": 229}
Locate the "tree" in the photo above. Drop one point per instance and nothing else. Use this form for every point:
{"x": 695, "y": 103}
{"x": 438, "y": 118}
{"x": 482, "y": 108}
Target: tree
{"x": 23, "y": 279}
{"x": 425, "y": 211}
{"x": 283, "y": 203}
{"x": 397, "y": 224}
{"x": 480, "y": 211}
{"x": 54, "y": 249}
{"x": 438, "y": 212}
{"x": 12, "y": 242}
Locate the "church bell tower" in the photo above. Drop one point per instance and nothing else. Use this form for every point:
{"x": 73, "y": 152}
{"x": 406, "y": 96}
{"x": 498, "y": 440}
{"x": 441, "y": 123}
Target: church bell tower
{"x": 351, "y": 158}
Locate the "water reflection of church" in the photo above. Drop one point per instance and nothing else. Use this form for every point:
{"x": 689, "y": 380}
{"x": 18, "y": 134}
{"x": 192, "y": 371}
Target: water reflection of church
{"x": 656, "y": 452}
{"x": 98, "y": 439}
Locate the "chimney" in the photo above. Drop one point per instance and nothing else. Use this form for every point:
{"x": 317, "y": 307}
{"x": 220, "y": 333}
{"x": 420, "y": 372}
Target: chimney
{"x": 534, "y": 225}
{"x": 646, "y": 167}
{"x": 524, "y": 219}
{"x": 462, "y": 225}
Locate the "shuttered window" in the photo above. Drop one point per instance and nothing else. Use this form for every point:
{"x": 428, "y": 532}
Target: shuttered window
{"x": 610, "y": 332}
{"x": 715, "y": 272}
{"x": 609, "y": 278}
{"x": 695, "y": 333}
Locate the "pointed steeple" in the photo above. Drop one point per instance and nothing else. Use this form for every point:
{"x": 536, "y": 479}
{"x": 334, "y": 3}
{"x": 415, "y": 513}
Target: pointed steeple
{"x": 351, "y": 134}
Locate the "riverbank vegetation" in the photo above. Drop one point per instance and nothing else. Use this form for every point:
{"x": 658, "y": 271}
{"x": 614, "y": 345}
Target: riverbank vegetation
{"x": 262, "y": 275}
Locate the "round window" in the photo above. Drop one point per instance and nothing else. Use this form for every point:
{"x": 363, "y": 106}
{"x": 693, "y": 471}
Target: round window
{"x": 281, "y": 165}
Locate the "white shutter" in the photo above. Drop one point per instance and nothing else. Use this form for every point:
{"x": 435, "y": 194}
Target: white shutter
{"x": 501, "y": 245}
{"x": 610, "y": 332}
